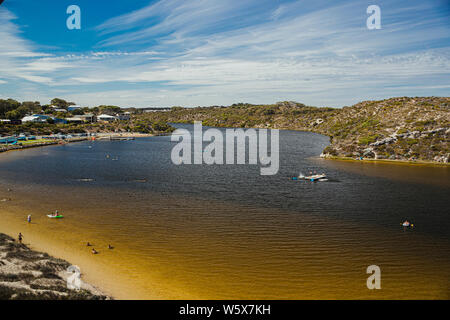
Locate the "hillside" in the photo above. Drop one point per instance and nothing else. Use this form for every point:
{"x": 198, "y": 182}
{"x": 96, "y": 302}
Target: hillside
{"x": 400, "y": 128}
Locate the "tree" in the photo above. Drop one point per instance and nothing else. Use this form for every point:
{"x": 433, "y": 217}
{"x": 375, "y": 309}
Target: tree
{"x": 111, "y": 110}
{"x": 18, "y": 113}
{"x": 32, "y": 107}
{"x": 8, "y": 105}
{"x": 12, "y": 115}
{"x": 77, "y": 112}
{"x": 61, "y": 103}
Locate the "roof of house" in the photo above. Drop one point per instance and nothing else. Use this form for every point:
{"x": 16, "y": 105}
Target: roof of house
{"x": 34, "y": 117}
{"x": 107, "y": 116}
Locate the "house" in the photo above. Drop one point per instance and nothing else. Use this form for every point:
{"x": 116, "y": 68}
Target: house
{"x": 124, "y": 116}
{"x": 106, "y": 118}
{"x": 156, "y": 109}
{"x": 74, "y": 107}
{"x": 59, "y": 110}
{"x": 35, "y": 118}
{"x": 6, "y": 121}
{"x": 74, "y": 120}
{"x": 89, "y": 117}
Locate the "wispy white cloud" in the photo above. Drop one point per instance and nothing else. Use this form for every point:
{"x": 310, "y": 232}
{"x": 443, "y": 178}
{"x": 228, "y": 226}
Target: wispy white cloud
{"x": 219, "y": 52}
{"x": 15, "y": 52}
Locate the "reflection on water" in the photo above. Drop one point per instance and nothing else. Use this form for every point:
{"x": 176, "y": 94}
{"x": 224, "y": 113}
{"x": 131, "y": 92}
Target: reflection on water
{"x": 227, "y": 232}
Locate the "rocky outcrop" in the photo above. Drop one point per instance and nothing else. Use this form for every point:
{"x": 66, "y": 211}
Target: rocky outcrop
{"x": 27, "y": 274}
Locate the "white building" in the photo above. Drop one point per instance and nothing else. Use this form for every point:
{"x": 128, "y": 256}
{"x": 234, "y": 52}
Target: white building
{"x": 106, "y": 118}
{"x": 124, "y": 116}
{"x": 35, "y": 118}
{"x": 75, "y": 107}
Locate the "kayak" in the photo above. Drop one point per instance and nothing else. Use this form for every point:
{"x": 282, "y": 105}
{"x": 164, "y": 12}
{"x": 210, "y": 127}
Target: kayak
{"x": 55, "y": 217}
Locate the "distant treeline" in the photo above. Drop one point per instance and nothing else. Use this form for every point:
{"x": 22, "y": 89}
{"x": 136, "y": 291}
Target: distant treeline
{"x": 14, "y": 110}
{"x": 11, "y": 109}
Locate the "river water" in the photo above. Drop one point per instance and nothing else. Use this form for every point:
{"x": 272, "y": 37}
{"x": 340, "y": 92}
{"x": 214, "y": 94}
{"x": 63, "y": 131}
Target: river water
{"x": 225, "y": 231}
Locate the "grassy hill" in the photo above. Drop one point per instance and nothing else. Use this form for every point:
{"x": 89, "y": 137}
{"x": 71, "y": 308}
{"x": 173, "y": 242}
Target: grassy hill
{"x": 400, "y": 128}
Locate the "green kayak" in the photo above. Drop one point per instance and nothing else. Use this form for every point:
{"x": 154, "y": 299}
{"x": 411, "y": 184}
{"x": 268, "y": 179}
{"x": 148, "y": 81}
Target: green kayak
{"x": 55, "y": 217}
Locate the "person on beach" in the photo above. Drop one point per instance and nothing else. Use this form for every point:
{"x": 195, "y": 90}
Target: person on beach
{"x": 29, "y": 218}
{"x": 20, "y": 237}
{"x": 94, "y": 251}
{"x": 407, "y": 224}
{"x": 88, "y": 244}
{"x": 56, "y": 213}
{"x": 110, "y": 246}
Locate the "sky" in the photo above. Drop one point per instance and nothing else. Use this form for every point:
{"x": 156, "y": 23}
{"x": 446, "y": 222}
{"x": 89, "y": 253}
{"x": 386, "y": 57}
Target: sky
{"x": 162, "y": 53}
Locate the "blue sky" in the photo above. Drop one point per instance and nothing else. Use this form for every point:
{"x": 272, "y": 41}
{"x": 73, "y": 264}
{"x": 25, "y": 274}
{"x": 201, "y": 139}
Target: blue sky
{"x": 218, "y": 52}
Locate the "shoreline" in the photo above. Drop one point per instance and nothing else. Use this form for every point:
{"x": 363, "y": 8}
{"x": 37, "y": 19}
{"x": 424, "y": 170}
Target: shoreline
{"x": 100, "y": 136}
{"x": 29, "y": 274}
{"x": 41, "y": 144}
{"x": 388, "y": 161}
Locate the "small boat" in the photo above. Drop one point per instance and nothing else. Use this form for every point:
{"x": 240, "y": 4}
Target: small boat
{"x": 316, "y": 177}
{"x": 312, "y": 178}
{"x": 55, "y": 217}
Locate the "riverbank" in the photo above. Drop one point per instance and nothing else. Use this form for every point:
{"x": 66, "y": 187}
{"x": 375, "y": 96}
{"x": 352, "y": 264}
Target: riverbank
{"x": 30, "y": 275}
{"x": 39, "y": 144}
{"x": 107, "y": 135}
{"x": 389, "y": 161}
{"x": 48, "y": 142}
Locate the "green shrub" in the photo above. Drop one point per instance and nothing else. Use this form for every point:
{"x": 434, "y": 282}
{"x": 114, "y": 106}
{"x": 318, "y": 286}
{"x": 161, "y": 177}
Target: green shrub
{"x": 367, "y": 140}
